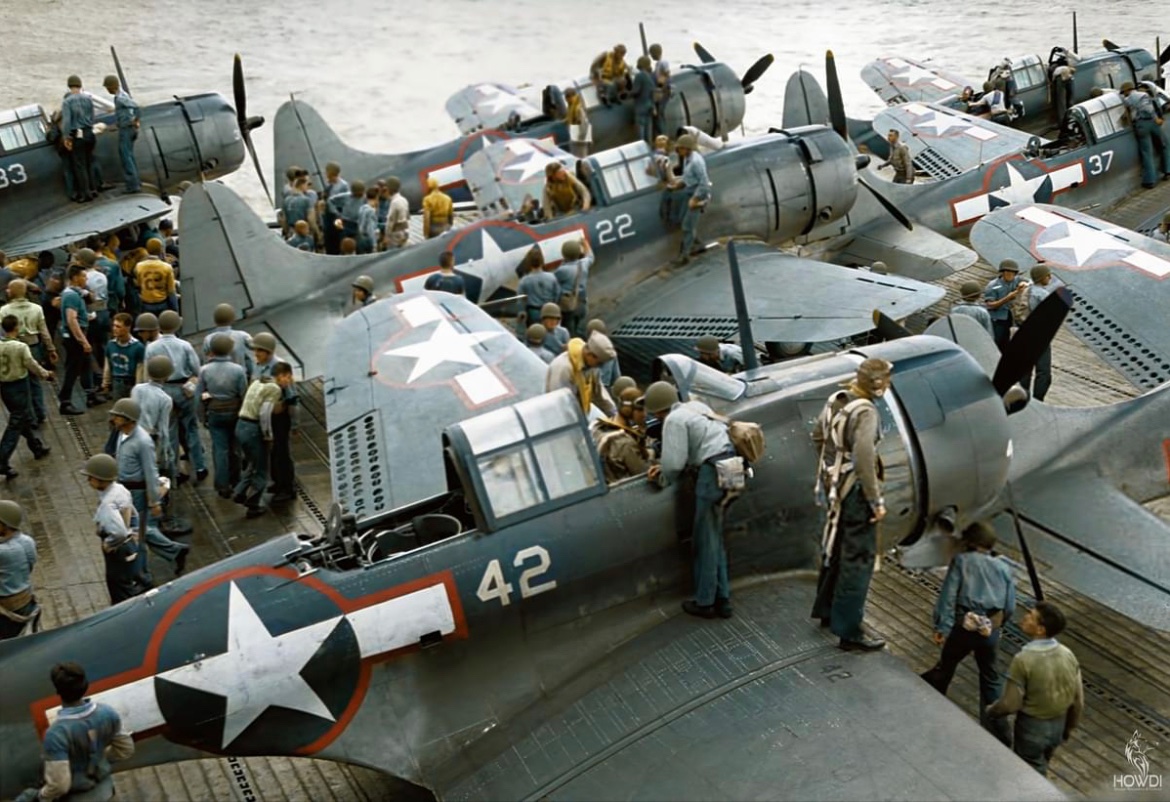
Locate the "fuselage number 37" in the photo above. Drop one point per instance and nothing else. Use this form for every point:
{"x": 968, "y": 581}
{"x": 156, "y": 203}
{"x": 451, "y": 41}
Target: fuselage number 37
{"x": 494, "y": 586}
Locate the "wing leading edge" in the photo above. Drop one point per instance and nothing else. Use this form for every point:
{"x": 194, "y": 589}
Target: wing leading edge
{"x": 80, "y": 221}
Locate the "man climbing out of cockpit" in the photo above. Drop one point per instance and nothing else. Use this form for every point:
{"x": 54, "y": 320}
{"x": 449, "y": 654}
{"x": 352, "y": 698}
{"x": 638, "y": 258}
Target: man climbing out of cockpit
{"x": 621, "y": 439}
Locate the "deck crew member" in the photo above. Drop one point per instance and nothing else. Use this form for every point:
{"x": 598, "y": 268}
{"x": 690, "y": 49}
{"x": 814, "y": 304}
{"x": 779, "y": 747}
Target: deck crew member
{"x": 611, "y": 370}
{"x": 724, "y": 357}
{"x": 563, "y": 192}
{"x": 999, "y": 295}
{"x": 18, "y": 555}
{"x": 34, "y": 333}
{"x": 367, "y": 223}
{"x": 155, "y": 278}
{"x": 621, "y": 439}
{"x": 977, "y": 598}
{"x": 693, "y": 438}
{"x": 576, "y": 369}
{"x": 1044, "y": 689}
{"x": 77, "y": 137}
{"x": 993, "y": 103}
{"x": 221, "y": 389}
{"x": 900, "y": 159}
{"x": 539, "y": 286}
{"x": 556, "y": 336}
{"x": 1161, "y": 234}
{"x": 1043, "y": 284}
{"x": 696, "y": 194}
{"x": 347, "y": 208}
{"x": 438, "y": 210}
{"x": 254, "y": 433}
{"x": 610, "y": 74}
{"x": 16, "y": 363}
{"x": 116, "y": 524}
{"x": 301, "y": 238}
{"x": 577, "y": 118}
{"x": 573, "y": 276}
{"x": 98, "y": 308}
{"x": 535, "y": 338}
{"x": 80, "y": 744}
{"x": 446, "y": 280}
{"x": 74, "y": 322}
{"x": 846, "y": 434}
{"x": 155, "y": 408}
{"x": 642, "y": 93}
{"x": 125, "y": 358}
{"x": 224, "y": 316}
{"x": 397, "y": 215}
{"x": 336, "y": 188}
{"x": 362, "y": 292}
{"x": 181, "y": 388}
{"x": 129, "y": 118}
{"x": 971, "y": 305}
{"x": 1146, "y": 121}
{"x": 662, "y": 88}
{"x": 138, "y": 473}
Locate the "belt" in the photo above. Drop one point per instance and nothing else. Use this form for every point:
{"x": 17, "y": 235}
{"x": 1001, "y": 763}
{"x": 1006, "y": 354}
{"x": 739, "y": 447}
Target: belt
{"x": 30, "y": 339}
{"x": 178, "y": 381}
{"x": 249, "y": 420}
{"x": 98, "y": 306}
{"x": 133, "y": 484}
{"x": 223, "y": 405}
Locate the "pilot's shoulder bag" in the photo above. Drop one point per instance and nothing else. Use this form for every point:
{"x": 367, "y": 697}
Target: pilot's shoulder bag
{"x": 747, "y": 437}
{"x": 569, "y": 300}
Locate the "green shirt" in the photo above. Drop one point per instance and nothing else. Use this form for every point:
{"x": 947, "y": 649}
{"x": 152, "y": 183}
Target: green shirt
{"x": 1048, "y": 675}
{"x": 16, "y": 360}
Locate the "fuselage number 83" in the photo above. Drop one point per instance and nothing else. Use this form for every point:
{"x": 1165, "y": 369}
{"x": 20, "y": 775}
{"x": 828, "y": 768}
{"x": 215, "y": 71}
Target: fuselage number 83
{"x": 535, "y": 562}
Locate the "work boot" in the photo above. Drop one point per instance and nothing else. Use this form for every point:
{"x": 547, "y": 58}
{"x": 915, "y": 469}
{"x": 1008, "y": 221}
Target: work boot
{"x": 723, "y": 607}
{"x": 691, "y": 607}
{"x": 681, "y": 261}
{"x": 69, "y": 409}
{"x": 42, "y": 452}
{"x": 200, "y": 474}
{"x": 181, "y": 561}
{"x": 255, "y": 511}
{"x": 863, "y": 643}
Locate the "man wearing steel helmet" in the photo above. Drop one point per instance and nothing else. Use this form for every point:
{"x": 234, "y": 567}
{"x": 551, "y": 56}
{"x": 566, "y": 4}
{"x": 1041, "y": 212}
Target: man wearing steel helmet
{"x": 180, "y": 386}
{"x": 999, "y": 295}
{"x": 846, "y": 434}
{"x": 1146, "y": 121}
{"x": 18, "y": 555}
{"x": 692, "y": 438}
{"x": 696, "y": 193}
{"x": 221, "y": 390}
{"x": 241, "y": 353}
{"x": 116, "y": 524}
{"x": 971, "y": 305}
{"x": 573, "y": 276}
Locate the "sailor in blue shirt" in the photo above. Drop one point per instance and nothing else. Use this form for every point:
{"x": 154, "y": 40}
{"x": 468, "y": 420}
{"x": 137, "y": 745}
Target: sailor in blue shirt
{"x": 977, "y": 598}
{"x": 999, "y": 294}
{"x": 446, "y": 280}
{"x": 336, "y": 190}
{"x": 222, "y": 387}
{"x": 77, "y": 135}
{"x": 696, "y": 188}
{"x": 129, "y": 117}
{"x": 224, "y": 316}
{"x": 180, "y": 387}
{"x": 573, "y": 275}
{"x": 80, "y": 744}
{"x": 557, "y": 338}
{"x": 18, "y": 555}
{"x": 125, "y": 356}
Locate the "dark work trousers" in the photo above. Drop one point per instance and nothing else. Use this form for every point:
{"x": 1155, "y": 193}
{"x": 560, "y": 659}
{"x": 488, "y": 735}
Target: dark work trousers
{"x": 1039, "y": 386}
{"x": 1002, "y": 331}
{"x": 126, "y": 137}
{"x": 98, "y": 333}
{"x": 36, "y": 386}
{"x": 1037, "y": 738}
{"x": 254, "y": 475}
{"x": 960, "y": 643}
{"x": 21, "y": 419}
{"x": 77, "y": 368}
{"x": 184, "y": 425}
{"x": 224, "y": 449}
{"x": 332, "y": 234}
{"x": 844, "y": 583}
{"x": 710, "y": 569}
{"x": 122, "y": 572}
{"x": 81, "y": 163}
{"x": 280, "y": 454}
{"x": 9, "y": 628}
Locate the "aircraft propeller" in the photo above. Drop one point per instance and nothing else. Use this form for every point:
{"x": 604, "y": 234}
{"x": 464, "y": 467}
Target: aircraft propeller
{"x": 753, "y": 72}
{"x": 247, "y": 124}
{"x": 887, "y": 328}
{"x": 1031, "y": 339}
{"x": 118, "y": 69}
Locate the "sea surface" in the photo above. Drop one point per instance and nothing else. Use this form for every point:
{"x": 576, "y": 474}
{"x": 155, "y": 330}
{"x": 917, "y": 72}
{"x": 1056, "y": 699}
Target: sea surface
{"x": 380, "y": 71}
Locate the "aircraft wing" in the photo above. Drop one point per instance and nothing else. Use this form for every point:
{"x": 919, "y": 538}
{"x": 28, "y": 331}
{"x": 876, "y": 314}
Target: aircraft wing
{"x": 487, "y": 106}
{"x": 902, "y": 80}
{"x": 946, "y": 142}
{"x": 400, "y": 371}
{"x": 1098, "y": 540}
{"x": 760, "y": 706}
{"x": 79, "y": 220}
{"x": 789, "y": 299}
{"x": 505, "y": 173}
{"x": 1120, "y": 279}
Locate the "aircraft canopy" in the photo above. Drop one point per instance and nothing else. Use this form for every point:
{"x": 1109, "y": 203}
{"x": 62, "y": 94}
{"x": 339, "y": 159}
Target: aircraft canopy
{"x": 21, "y": 128}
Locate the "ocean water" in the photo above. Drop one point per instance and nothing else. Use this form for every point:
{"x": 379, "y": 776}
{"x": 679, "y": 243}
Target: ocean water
{"x": 380, "y": 70}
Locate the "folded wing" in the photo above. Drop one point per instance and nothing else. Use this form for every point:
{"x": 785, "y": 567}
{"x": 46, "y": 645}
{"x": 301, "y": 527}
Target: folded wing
{"x": 487, "y": 106}
{"x": 1120, "y": 280}
{"x": 76, "y": 222}
{"x": 505, "y": 174}
{"x": 946, "y": 142}
{"x": 902, "y": 80}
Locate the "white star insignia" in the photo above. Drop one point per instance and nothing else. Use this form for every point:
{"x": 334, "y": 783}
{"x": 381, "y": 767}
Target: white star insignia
{"x": 1018, "y": 189}
{"x": 527, "y": 160}
{"x": 913, "y": 73}
{"x": 1085, "y": 243}
{"x": 445, "y": 344}
{"x": 492, "y": 99}
{"x": 258, "y": 670}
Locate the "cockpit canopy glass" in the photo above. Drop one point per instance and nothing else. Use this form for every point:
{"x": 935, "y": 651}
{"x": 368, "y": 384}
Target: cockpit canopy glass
{"x": 1028, "y": 72}
{"x": 702, "y": 382}
{"x": 21, "y": 128}
{"x": 1104, "y": 114}
{"x": 625, "y": 170}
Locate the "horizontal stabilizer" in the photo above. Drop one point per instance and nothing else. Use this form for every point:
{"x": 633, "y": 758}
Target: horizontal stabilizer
{"x": 804, "y": 101}
{"x": 920, "y": 254}
{"x": 790, "y": 299}
{"x": 1098, "y": 540}
{"x": 78, "y": 221}
{"x": 1120, "y": 280}
{"x": 902, "y": 80}
{"x": 398, "y": 373}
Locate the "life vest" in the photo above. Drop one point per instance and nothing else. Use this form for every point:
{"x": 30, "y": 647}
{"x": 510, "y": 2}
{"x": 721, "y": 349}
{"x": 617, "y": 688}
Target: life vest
{"x": 563, "y": 195}
{"x": 582, "y": 380}
{"x": 575, "y": 111}
{"x": 612, "y": 68}
{"x": 26, "y": 268}
{"x": 439, "y": 204}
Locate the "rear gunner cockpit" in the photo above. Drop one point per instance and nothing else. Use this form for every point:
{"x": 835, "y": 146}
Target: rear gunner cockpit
{"x": 22, "y": 128}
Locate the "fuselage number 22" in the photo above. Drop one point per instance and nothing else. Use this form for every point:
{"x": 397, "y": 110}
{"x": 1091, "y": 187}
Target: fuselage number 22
{"x": 494, "y": 586}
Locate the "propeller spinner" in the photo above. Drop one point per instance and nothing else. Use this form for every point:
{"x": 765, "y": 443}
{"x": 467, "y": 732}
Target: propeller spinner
{"x": 753, "y": 72}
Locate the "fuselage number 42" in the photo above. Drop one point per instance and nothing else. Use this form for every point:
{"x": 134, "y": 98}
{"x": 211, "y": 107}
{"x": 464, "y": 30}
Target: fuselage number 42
{"x": 494, "y": 586}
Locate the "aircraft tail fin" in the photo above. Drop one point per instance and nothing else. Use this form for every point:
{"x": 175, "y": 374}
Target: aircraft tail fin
{"x": 231, "y": 256}
{"x": 805, "y": 102}
{"x": 302, "y": 137}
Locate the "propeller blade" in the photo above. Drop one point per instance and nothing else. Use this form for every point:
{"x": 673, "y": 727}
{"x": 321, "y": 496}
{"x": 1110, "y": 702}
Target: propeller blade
{"x": 750, "y": 361}
{"x": 1110, "y": 46}
{"x": 888, "y": 205}
{"x": 118, "y": 69}
{"x": 755, "y": 71}
{"x": 1031, "y": 339}
{"x": 704, "y": 54}
{"x": 887, "y": 328}
{"x": 1164, "y": 56}
{"x": 240, "y": 94}
{"x": 642, "y": 34}
{"x": 836, "y": 102}
{"x": 256, "y": 164}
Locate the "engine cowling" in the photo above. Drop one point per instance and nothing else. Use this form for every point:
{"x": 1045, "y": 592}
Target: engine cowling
{"x": 710, "y": 98}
